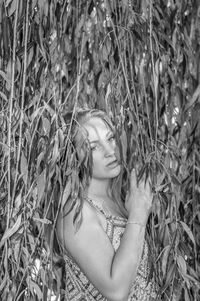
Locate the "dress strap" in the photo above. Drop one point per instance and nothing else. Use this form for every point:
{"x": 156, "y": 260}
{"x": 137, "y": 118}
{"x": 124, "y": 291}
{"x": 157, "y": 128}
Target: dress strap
{"x": 99, "y": 208}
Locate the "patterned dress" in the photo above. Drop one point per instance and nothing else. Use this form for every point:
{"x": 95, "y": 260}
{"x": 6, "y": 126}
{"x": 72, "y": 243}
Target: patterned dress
{"x": 79, "y": 287}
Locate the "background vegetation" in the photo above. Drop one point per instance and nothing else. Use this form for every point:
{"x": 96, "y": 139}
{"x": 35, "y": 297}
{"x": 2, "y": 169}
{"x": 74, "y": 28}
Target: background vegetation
{"x": 140, "y": 61}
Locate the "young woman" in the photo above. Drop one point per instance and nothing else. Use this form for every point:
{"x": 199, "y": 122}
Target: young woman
{"x": 107, "y": 257}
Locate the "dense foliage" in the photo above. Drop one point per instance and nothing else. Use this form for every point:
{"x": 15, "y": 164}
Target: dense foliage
{"x": 140, "y": 61}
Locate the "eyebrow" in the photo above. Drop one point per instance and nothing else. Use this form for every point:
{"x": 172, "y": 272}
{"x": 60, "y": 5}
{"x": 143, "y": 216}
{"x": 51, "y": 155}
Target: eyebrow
{"x": 96, "y": 141}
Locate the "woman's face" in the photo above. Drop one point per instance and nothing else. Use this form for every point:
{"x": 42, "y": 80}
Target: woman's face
{"x": 103, "y": 147}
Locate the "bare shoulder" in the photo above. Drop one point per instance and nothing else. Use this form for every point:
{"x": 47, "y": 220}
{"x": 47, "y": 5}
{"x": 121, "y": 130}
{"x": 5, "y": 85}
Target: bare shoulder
{"x": 90, "y": 246}
{"x": 65, "y": 226}
{"x": 88, "y": 214}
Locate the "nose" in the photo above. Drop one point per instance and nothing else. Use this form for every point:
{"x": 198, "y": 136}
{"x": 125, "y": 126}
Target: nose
{"x": 109, "y": 150}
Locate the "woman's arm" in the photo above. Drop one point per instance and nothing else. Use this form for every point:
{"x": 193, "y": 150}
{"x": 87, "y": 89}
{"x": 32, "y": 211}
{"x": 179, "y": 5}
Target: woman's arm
{"x": 111, "y": 273}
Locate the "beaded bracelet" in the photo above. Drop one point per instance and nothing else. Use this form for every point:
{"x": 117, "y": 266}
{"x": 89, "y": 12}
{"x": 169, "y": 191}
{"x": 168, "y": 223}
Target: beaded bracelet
{"x": 136, "y": 223}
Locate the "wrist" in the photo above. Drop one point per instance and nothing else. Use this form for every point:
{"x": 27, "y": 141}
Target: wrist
{"x": 138, "y": 219}
{"x": 132, "y": 222}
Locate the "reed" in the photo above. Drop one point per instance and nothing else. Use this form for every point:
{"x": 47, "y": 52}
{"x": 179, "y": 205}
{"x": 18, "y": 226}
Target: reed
{"x": 139, "y": 61}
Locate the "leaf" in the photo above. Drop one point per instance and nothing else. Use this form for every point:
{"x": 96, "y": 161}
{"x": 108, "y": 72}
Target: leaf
{"x": 5, "y": 77}
{"x": 165, "y": 257}
{"x": 17, "y": 203}
{"x": 170, "y": 275}
{"x": 102, "y": 80}
{"x": 188, "y": 231}
{"x": 2, "y": 95}
{"x": 17, "y": 250}
{"x": 24, "y": 167}
{"x": 49, "y": 109}
{"x": 124, "y": 144}
{"x": 34, "y": 287}
{"x": 77, "y": 220}
{"x": 36, "y": 113}
{"x": 55, "y": 148}
{"x": 186, "y": 294}
{"x": 194, "y": 98}
{"x": 125, "y": 3}
{"x": 12, "y": 8}
{"x": 61, "y": 137}
{"x": 42, "y": 220}
{"x": 41, "y": 185}
{"x": 7, "y": 2}
{"x": 33, "y": 3}
{"x": 160, "y": 187}
{"x": 40, "y": 158}
{"x": 107, "y": 93}
{"x": 193, "y": 279}
{"x": 171, "y": 74}
{"x": 31, "y": 241}
{"x": 79, "y": 26}
{"x": 105, "y": 53}
{"x": 182, "y": 264}
{"x": 3, "y": 282}
{"x": 160, "y": 179}
{"x": 11, "y": 231}
{"x": 66, "y": 194}
{"x": 46, "y": 125}
{"x": 175, "y": 180}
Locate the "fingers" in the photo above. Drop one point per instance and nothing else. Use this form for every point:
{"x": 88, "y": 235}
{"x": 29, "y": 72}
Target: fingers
{"x": 133, "y": 179}
{"x": 141, "y": 181}
{"x": 133, "y": 175}
{"x": 138, "y": 180}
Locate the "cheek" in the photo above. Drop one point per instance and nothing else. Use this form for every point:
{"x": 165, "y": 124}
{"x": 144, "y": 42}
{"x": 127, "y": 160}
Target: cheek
{"x": 97, "y": 161}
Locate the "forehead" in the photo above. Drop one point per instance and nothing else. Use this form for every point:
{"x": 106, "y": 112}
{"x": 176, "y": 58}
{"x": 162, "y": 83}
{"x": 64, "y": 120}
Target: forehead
{"x": 96, "y": 128}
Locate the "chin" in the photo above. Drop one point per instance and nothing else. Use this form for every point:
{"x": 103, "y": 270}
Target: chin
{"x": 107, "y": 174}
{"x": 116, "y": 171}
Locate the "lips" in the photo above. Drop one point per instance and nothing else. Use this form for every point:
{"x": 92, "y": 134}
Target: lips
{"x": 113, "y": 163}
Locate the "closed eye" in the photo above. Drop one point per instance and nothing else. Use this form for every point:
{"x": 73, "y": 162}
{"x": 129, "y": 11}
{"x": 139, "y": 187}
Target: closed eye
{"x": 94, "y": 147}
{"x": 111, "y": 138}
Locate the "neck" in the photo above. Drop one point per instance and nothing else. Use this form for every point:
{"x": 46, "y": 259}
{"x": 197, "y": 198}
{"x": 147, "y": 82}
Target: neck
{"x": 98, "y": 188}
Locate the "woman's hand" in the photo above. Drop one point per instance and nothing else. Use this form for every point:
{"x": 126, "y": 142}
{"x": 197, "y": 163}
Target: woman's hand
{"x": 139, "y": 199}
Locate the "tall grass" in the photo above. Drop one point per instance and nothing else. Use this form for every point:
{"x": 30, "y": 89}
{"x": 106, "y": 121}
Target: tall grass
{"x": 139, "y": 61}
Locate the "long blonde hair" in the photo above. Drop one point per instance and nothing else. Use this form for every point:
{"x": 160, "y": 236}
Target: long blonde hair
{"x": 83, "y": 168}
